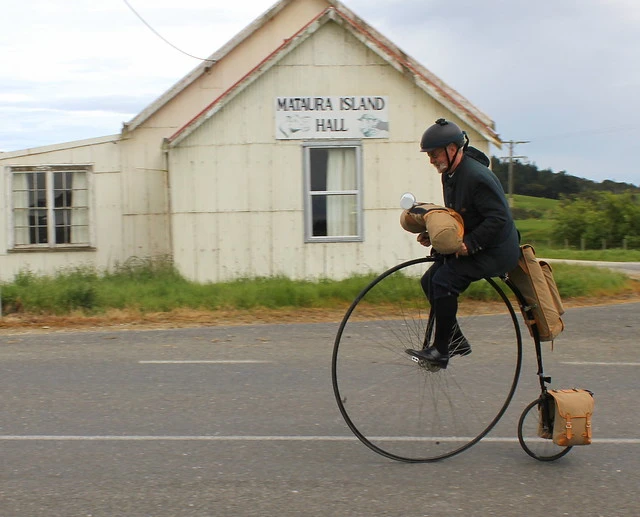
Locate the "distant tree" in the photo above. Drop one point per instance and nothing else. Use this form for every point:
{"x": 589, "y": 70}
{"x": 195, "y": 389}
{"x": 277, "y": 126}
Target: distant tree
{"x": 566, "y": 184}
{"x": 528, "y": 180}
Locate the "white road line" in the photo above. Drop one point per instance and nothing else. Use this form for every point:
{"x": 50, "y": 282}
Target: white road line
{"x": 248, "y": 361}
{"x": 593, "y": 363}
{"x": 211, "y": 438}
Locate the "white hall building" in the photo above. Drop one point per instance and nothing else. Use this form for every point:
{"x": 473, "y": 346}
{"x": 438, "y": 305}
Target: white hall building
{"x": 284, "y": 154}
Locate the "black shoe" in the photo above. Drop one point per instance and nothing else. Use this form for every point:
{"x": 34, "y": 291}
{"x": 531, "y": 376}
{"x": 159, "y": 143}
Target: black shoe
{"x": 459, "y": 346}
{"x": 431, "y": 355}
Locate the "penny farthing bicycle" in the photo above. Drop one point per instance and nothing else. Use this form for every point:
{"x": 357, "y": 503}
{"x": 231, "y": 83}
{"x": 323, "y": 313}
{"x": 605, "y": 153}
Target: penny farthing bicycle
{"x": 412, "y": 411}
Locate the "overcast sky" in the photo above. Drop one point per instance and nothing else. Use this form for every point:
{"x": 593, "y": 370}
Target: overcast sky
{"x": 563, "y": 74}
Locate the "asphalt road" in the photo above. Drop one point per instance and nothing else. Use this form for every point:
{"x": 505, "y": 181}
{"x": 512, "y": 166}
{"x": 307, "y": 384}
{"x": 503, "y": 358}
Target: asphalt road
{"x": 241, "y": 421}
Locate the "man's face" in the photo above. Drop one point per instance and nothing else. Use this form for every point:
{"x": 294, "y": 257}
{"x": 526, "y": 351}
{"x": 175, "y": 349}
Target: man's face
{"x": 438, "y": 158}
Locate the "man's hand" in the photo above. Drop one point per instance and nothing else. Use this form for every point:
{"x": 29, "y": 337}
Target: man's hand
{"x": 464, "y": 251}
{"x": 423, "y": 238}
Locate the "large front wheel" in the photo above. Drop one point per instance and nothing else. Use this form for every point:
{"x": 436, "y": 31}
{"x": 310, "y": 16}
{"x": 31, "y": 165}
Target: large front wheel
{"x": 408, "y": 410}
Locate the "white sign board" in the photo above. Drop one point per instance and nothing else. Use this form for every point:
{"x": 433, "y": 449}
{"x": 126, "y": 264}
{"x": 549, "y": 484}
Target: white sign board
{"x": 308, "y": 118}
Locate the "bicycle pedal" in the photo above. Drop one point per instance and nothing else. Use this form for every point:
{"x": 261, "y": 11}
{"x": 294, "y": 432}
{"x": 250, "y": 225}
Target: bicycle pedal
{"x": 426, "y": 364}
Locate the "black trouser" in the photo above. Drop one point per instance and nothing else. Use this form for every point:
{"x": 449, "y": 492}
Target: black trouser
{"x": 448, "y": 277}
{"x": 445, "y": 309}
{"x": 451, "y": 275}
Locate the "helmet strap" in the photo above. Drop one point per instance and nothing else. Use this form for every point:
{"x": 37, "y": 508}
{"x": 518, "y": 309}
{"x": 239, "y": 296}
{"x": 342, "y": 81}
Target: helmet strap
{"x": 449, "y": 162}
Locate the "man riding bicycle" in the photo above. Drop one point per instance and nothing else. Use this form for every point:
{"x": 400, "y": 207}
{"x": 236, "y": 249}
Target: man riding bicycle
{"x": 490, "y": 246}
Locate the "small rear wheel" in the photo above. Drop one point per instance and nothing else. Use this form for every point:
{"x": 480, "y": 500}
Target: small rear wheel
{"x": 542, "y": 449}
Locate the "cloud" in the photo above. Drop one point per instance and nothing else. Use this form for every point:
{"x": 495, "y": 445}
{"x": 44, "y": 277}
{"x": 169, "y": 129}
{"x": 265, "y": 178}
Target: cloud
{"x": 559, "y": 73}
{"x": 16, "y": 126}
{"x": 116, "y": 104}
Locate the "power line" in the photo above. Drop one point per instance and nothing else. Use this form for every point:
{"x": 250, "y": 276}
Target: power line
{"x": 162, "y": 37}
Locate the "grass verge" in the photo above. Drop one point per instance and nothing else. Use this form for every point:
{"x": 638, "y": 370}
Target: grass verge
{"x": 155, "y": 294}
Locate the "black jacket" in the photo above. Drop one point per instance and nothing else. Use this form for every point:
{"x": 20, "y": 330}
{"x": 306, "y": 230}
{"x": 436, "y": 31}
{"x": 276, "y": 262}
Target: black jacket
{"x": 477, "y": 195}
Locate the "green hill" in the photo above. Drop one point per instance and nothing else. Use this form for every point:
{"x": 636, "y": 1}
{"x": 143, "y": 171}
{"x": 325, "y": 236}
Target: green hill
{"x": 531, "y": 181}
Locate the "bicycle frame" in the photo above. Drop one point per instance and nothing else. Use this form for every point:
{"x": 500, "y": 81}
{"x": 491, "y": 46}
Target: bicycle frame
{"x": 528, "y": 314}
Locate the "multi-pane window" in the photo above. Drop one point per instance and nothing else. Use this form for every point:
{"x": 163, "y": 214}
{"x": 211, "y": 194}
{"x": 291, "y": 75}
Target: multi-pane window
{"x": 50, "y": 206}
{"x": 333, "y": 192}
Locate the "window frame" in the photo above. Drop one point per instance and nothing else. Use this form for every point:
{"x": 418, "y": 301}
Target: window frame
{"x": 309, "y": 194}
{"x": 49, "y": 169}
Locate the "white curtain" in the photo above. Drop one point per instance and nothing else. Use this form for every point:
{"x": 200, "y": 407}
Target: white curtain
{"x": 20, "y": 187}
{"x": 341, "y": 176}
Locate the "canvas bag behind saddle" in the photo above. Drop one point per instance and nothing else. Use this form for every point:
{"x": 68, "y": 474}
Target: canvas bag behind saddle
{"x": 534, "y": 279}
{"x": 571, "y": 411}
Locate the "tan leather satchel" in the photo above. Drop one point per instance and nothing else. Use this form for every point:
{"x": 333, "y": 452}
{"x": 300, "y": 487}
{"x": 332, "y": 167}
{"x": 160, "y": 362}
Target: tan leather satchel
{"x": 534, "y": 279}
{"x": 444, "y": 226}
{"x": 572, "y": 410}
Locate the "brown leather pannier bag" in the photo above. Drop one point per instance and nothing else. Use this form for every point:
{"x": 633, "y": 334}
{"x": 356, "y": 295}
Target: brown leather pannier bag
{"x": 534, "y": 279}
{"x": 571, "y": 411}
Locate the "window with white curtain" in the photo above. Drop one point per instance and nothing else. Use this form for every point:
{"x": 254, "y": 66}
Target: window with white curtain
{"x": 333, "y": 208}
{"x": 50, "y": 206}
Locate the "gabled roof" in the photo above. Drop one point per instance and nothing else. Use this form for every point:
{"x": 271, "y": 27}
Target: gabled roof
{"x": 338, "y": 13}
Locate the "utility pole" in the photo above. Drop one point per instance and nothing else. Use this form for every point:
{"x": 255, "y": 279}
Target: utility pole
{"x": 511, "y": 157}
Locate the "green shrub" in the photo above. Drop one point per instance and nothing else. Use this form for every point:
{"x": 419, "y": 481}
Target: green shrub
{"x": 598, "y": 217}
